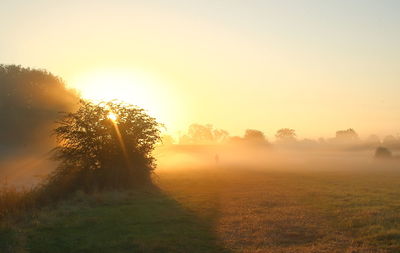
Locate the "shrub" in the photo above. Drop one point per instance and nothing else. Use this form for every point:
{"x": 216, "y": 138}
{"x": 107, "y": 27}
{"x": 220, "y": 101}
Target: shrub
{"x": 103, "y": 146}
{"x": 383, "y": 153}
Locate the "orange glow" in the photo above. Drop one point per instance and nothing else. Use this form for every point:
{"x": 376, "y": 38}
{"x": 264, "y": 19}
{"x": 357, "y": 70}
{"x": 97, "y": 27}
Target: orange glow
{"x": 112, "y": 117}
{"x": 130, "y": 86}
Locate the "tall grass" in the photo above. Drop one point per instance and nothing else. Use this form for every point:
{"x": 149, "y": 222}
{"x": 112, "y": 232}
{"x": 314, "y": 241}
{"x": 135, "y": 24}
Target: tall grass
{"x": 14, "y": 201}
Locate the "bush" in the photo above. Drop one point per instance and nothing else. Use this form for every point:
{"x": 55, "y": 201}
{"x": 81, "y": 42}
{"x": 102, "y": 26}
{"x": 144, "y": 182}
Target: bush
{"x": 103, "y": 146}
{"x": 383, "y": 153}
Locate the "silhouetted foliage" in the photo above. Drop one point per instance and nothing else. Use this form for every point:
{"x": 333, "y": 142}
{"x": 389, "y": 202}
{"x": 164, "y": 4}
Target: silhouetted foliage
{"x": 97, "y": 151}
{"x": 348, "y": 135}
{"x": 286, "y": 134}
{"x": 30, "y": 100}
{"x": 383, "y": 153}
{"x": 204, "y": 134}
{"x": 254, "y": 136}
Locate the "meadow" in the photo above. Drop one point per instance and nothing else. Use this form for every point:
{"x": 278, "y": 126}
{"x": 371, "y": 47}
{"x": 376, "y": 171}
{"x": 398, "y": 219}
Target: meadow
{"x": 190, "y": 126}
{"x": 303, "y": 211}
{"x": 218, "y": 209}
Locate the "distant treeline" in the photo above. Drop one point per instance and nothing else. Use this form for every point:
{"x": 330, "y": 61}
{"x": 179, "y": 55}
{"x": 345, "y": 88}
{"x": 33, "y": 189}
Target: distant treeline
{"x": 31, "y": 99}
{"x": 348, "y": 138}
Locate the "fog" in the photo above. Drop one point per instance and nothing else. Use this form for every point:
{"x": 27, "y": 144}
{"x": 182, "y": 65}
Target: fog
{"x": 204, "y": 146}
{"x": 30, "y": 103}
{"x": 29, "y": 167}
{"x": 274, "y": 157}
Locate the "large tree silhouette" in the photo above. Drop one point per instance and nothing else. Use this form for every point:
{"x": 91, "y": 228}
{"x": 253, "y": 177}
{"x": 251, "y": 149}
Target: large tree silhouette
{"x": 30, "y": 100}
{"x": 104, "y": 146}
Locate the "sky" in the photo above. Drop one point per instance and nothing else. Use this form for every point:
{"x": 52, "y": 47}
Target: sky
{"x": 314, "y": 66}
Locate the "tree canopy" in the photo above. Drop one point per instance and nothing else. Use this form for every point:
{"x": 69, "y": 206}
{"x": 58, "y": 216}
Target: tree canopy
{"x": 30, "y": 100}
{"x": 106, "y": 145}
{"x": 204, "y": 134}
{"x": 348, "y": 135}
{"x": 286, "y": 134}
{"x": 253, "y": 135}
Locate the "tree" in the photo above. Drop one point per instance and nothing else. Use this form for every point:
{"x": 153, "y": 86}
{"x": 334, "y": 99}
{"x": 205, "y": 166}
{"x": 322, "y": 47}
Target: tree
{"x": 383, "y": 153}
{"x": 286, "y": 134}
{"x": 104, "y": 146}
{"x": 255, "y": 136}
{"x": 30, "y": 100}
{"x": 220, "y": 135}
{"x": 204, "y": 134}
{"x": 348, "y": 135}
{"x": 201, "y": 133}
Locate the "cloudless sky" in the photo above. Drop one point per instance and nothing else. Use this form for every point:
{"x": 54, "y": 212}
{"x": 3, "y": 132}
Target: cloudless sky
{"x": 315, "y": 66}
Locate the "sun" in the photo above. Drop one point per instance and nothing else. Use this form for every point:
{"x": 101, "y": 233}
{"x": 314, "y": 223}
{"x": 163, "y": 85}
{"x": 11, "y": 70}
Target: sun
{"x": 110, "y": 85}
{"x": 112, "y": 117}
{"x": 155, "y": 93}
{"x": 126, "y": 86}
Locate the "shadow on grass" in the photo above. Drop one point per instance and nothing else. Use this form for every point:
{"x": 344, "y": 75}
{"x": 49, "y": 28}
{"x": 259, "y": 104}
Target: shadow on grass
{"x": 146, "y": 221}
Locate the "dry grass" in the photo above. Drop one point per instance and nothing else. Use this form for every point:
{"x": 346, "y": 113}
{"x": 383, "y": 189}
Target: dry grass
{"x": 12, "y": 200}
{"x": 14, "y": 205}
{"x": 245, "y": 210}
{"x": 272, "y": 211}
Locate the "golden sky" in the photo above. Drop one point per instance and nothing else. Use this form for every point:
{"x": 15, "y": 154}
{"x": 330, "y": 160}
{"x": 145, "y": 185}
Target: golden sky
{"x": 315, "y": 66}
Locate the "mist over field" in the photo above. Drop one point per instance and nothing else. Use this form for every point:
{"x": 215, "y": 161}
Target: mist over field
{"x": 271, "y": 158}
{"x": 206, "y": 147}
{"x": 28, "y": 166}
{"x": 225, "y": 126}
{"x": 203, "y": 146}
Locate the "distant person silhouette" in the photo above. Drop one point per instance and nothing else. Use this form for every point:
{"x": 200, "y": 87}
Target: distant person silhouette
{"x": 216, "y": 158}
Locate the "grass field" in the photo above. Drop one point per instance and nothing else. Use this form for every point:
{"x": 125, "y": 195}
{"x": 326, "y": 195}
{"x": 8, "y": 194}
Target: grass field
{"x": 288, "y": 211}
{"x": 223, "y": 210}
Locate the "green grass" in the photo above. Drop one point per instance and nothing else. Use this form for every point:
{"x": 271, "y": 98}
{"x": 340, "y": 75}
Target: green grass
{"x": 223, "y": 210}
{"x": 111, "y": 222}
